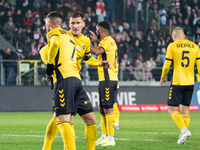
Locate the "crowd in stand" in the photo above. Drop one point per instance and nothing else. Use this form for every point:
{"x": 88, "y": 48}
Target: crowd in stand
{"x": 138, "y": 45}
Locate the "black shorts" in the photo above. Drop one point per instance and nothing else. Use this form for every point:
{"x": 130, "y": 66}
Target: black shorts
{"x": 180, "y": 95}
{"x": 66, "y": 94}
{"x": 107, "y": 93}
{"x": 84, "y": 104}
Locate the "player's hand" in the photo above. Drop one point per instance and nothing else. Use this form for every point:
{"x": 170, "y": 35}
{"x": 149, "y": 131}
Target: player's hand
{"x": 93, "y": 37}
{"x": 49, "y": 70}
{"x": 162, "y": 81}
{"x": 105, "y": 64}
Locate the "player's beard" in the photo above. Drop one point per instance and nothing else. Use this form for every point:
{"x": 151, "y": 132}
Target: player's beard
{"x": 98, "y": 36}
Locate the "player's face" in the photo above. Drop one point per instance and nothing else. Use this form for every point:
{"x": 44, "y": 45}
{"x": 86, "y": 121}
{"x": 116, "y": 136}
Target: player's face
{"x": 76, "y": 25}
{"x": 47, "y": 22}
{"x": 97, "y": 32}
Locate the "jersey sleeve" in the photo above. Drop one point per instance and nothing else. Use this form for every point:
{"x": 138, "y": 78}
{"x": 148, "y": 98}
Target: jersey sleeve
{"x": 169, "y": 52}
{"x": 104, "y": 44}
{"x": 44, "y": 53}
{"x": 53, "y": 50}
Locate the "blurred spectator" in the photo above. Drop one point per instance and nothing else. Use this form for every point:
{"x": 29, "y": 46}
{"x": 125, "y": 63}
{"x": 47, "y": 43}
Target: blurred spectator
{"x": 66, "y": 8}
{"x": 110, "y": 9}
{"x": 156, "y": 72}
{"x": 93, "y": 17}
{"x": 93, "y": 27}
{"x": 125, "y": 60}
{"x": 8, "y": 14}
{"x": 38, "y": 4}
{"x": 41, "y": 43}
{"x": 36, "y": 35}
{"x": 6, "y": 5}
{"x": 65, "y": 25}
{"x": 187, "y": 29}
{"x": 46, "y": 10}
{"x": 28, "y": 19}
{"x": 89, "y": 3}
{"x": 131, "y": 16}
{"x": 168, "y": 40}
{"x": 37, "y": 23}
{"x": 140, "y": 13}
{"x": 100, "y": 10}
{"x": 197, "y": 37}
{"x": 163, "y": 17}
{"x": 137, "y": 49}
{"x": 120, "y": 46}
{"x": 58, "y": 7}
{"x": 149, "y": 49}
{"x": 113, "y": 28}
{"x": 150, "y": 63}
{"x": 138, "y": 70}
{"x": 89, "y": 11}
{"x": 129, "y": 47}
{"x": 29, "y": 32}
{"x": 195, "y": 3}
{"x": 10, "y": 67}
{"x": 87, "y": 19}
{"x": 74, "y": 7}
{"x": 2, "y": 19}
{"x": 125, "y": 72}
{"x": 20, "y": 35}
{"x": 9, "y": 29}
{"x": 18, "y": 19}
{"x": 158, "y": 61}
{"x": 161, "y": 48}
{"x": 28, "y": 45}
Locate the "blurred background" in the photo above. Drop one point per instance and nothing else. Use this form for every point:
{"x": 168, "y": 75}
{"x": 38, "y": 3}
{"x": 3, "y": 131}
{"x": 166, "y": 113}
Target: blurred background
{"x": 141, "y": 29}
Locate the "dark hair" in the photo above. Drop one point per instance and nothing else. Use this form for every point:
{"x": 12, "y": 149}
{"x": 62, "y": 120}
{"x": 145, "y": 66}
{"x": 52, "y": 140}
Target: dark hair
{"x": 104, "y": 25}
{"x": 55, "y": 14}
{"x": 76, "y": 14}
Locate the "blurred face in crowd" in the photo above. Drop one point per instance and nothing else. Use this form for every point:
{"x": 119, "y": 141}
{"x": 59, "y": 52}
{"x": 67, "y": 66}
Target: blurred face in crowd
{"x": 10, "y": 19}
{"x": 76, "y": 25}
{"x": 19, "y": 11}
{"x": 8, "y": 51}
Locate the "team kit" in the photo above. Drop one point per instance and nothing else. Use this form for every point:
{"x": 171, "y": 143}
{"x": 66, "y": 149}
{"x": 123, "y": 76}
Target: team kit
{"x": 63, "y": 54}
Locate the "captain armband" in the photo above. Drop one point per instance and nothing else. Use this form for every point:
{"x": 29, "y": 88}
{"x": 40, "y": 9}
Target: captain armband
{"x": 85, "y": 58}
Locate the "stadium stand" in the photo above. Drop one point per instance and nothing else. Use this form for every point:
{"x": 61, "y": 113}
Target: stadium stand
{"x": 142, "y": 28}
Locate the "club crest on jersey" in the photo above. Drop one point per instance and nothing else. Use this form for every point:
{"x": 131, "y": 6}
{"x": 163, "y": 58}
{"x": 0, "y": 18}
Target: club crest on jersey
{"x": 84, "y": 47}
{"x": 78, "y": 48}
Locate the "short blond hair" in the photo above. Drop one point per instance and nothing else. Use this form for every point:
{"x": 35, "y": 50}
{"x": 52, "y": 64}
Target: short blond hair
{"x": 178, "y": 31}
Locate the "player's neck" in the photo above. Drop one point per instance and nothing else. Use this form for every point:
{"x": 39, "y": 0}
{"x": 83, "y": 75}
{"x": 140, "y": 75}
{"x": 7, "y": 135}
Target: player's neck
{"x": 104, "y": 36}
{"x": 56, "y": 26}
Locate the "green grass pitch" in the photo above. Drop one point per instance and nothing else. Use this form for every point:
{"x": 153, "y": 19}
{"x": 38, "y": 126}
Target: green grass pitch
{"x": 138, "y": 130}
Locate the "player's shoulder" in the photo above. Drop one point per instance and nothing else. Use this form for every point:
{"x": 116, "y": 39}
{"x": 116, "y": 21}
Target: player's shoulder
{"x": 85, "y": 37}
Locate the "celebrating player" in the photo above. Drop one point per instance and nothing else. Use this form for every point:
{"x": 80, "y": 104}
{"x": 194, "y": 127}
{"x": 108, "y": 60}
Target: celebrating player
{"x": 183, "y": 54}
{"x": 61, "y": 64}
{"x": 108, "y": 81}
{"x": 85, "y": 110}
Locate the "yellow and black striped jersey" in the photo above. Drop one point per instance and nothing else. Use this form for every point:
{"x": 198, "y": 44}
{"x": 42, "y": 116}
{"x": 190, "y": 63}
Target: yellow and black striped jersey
{"x": 110, "y": 54}
{"x": 183, "y": 54}
{"x": 83, "y": 50}
{"x": 62, "y": 50}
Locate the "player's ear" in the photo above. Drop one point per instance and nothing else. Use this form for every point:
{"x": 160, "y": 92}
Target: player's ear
{"x": 83, "y": 23}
